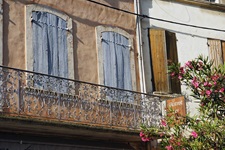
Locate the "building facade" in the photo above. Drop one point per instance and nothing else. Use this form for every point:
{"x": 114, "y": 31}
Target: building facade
{"x": 179, "y": 31}
{"x": 72, "y": 76}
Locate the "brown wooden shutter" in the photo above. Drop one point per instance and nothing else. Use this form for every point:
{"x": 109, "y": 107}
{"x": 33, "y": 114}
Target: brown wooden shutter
{"x": 215, "y": 52}
{"x": 171, "y": 44}
{"x": 159, "y": 59}
{"x": 163, "y": 48}
{"x": 223, "y": 50}
{"x": 222, "y": 1}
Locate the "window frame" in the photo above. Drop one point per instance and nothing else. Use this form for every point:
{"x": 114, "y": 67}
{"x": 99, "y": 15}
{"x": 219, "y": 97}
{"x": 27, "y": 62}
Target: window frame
{"x": 99, "y": 30}
{"x": 29, "y": 36}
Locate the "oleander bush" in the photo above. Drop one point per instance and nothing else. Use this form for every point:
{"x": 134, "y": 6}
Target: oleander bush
{"x": 206, "y": 130}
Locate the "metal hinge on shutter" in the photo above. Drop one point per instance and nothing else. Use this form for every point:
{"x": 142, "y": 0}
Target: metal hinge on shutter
{"x": 102, "y": 39}
{"x": 33, "y": 20}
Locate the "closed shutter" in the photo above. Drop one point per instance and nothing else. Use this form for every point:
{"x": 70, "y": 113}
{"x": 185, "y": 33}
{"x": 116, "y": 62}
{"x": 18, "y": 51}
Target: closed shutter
{"x": 215, "y": 52}
{"x": 163, "y": 48}
{"x": 116, "y": 60}
{"x": 50, "y": 44}
{"x": 50, "y": 50}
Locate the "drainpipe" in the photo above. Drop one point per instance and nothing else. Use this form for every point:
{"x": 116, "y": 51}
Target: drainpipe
{"x": 139, "y": 46}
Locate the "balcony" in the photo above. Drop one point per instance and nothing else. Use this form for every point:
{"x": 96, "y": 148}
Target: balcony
{"x": 30, "y": 95}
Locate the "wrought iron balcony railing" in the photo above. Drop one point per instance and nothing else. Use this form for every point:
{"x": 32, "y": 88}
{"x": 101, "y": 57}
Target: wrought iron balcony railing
{"x": 29, "y": 94}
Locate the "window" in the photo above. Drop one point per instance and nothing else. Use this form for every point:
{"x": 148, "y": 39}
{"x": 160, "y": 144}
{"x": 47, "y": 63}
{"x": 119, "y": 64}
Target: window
{"x": 216, "y": 1}
{"x": 49, "y": 46}
{"x": 163, "y": 48}
{"x": 115, "y": 58}
{"x": 216, "y": 51}
{"x": 49, "y": 29}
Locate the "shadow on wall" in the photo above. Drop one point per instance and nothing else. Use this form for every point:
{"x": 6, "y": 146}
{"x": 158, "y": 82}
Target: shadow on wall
{"x": 116, "y": 3}
{"x": 6, "y": 23}
{"x": 95, "y": 23}
{"x": 28, "y": 1}
{"x": 113, "y": 3}
{"x": 5, "y": 33}
{"x": 75, "y": 43}
{"x": 145, "y": 6}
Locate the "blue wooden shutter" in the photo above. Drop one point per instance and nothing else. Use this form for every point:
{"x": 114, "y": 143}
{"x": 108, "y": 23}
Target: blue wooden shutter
{"x": 50, "y": 44}
{"x": 50, "y": 49}
{"x": 116, "y": 60}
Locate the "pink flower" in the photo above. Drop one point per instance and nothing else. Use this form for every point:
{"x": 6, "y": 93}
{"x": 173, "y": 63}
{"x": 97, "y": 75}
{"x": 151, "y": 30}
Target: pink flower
{"x": 169, "y": 147}
{"x": 180, "y": 77}
{"x": 200, "y": 64}
{"x": 172, "y": 74}
{"x": 208, "y": 92}
{"x": 161, "y": 135}
{"x": 188, "y": 64}
{"x": 182, "y": 70}
{"x": 209, "y": 84}
{"x": 145, "y": 139}
{"x": 215, "y": 77}
{"x": 142, "y": 134}
{"x": 194, "y": 134}
{"x": 163, "y": 122}
{"x": 195, "y": 82}
{"x": 221, "y": 90}
{"x": 202, "y": 92}
{"x": 205, "y": 83}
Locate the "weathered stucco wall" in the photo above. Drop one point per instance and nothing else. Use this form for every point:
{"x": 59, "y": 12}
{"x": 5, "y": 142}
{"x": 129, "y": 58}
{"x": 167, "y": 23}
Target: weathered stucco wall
{"x": 191, "y": 41}
{"x": 13, "y": 34}
{"x": 85, "y": 15}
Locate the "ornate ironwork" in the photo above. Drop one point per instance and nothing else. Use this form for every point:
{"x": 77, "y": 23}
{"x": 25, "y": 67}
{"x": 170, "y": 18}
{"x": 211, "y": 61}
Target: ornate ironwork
{"x": 30, "y": 94}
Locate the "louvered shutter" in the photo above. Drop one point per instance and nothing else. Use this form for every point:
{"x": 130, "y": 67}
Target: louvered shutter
{"x": 215, "y": 52}
{"x": 223, "y": 50}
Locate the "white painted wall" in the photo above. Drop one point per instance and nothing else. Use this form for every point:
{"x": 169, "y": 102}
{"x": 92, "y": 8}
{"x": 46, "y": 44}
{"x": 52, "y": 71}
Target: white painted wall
{"x": 191, "y": 42}
{"x": 189, "y": 47}
{"x": 183, "y": 13}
